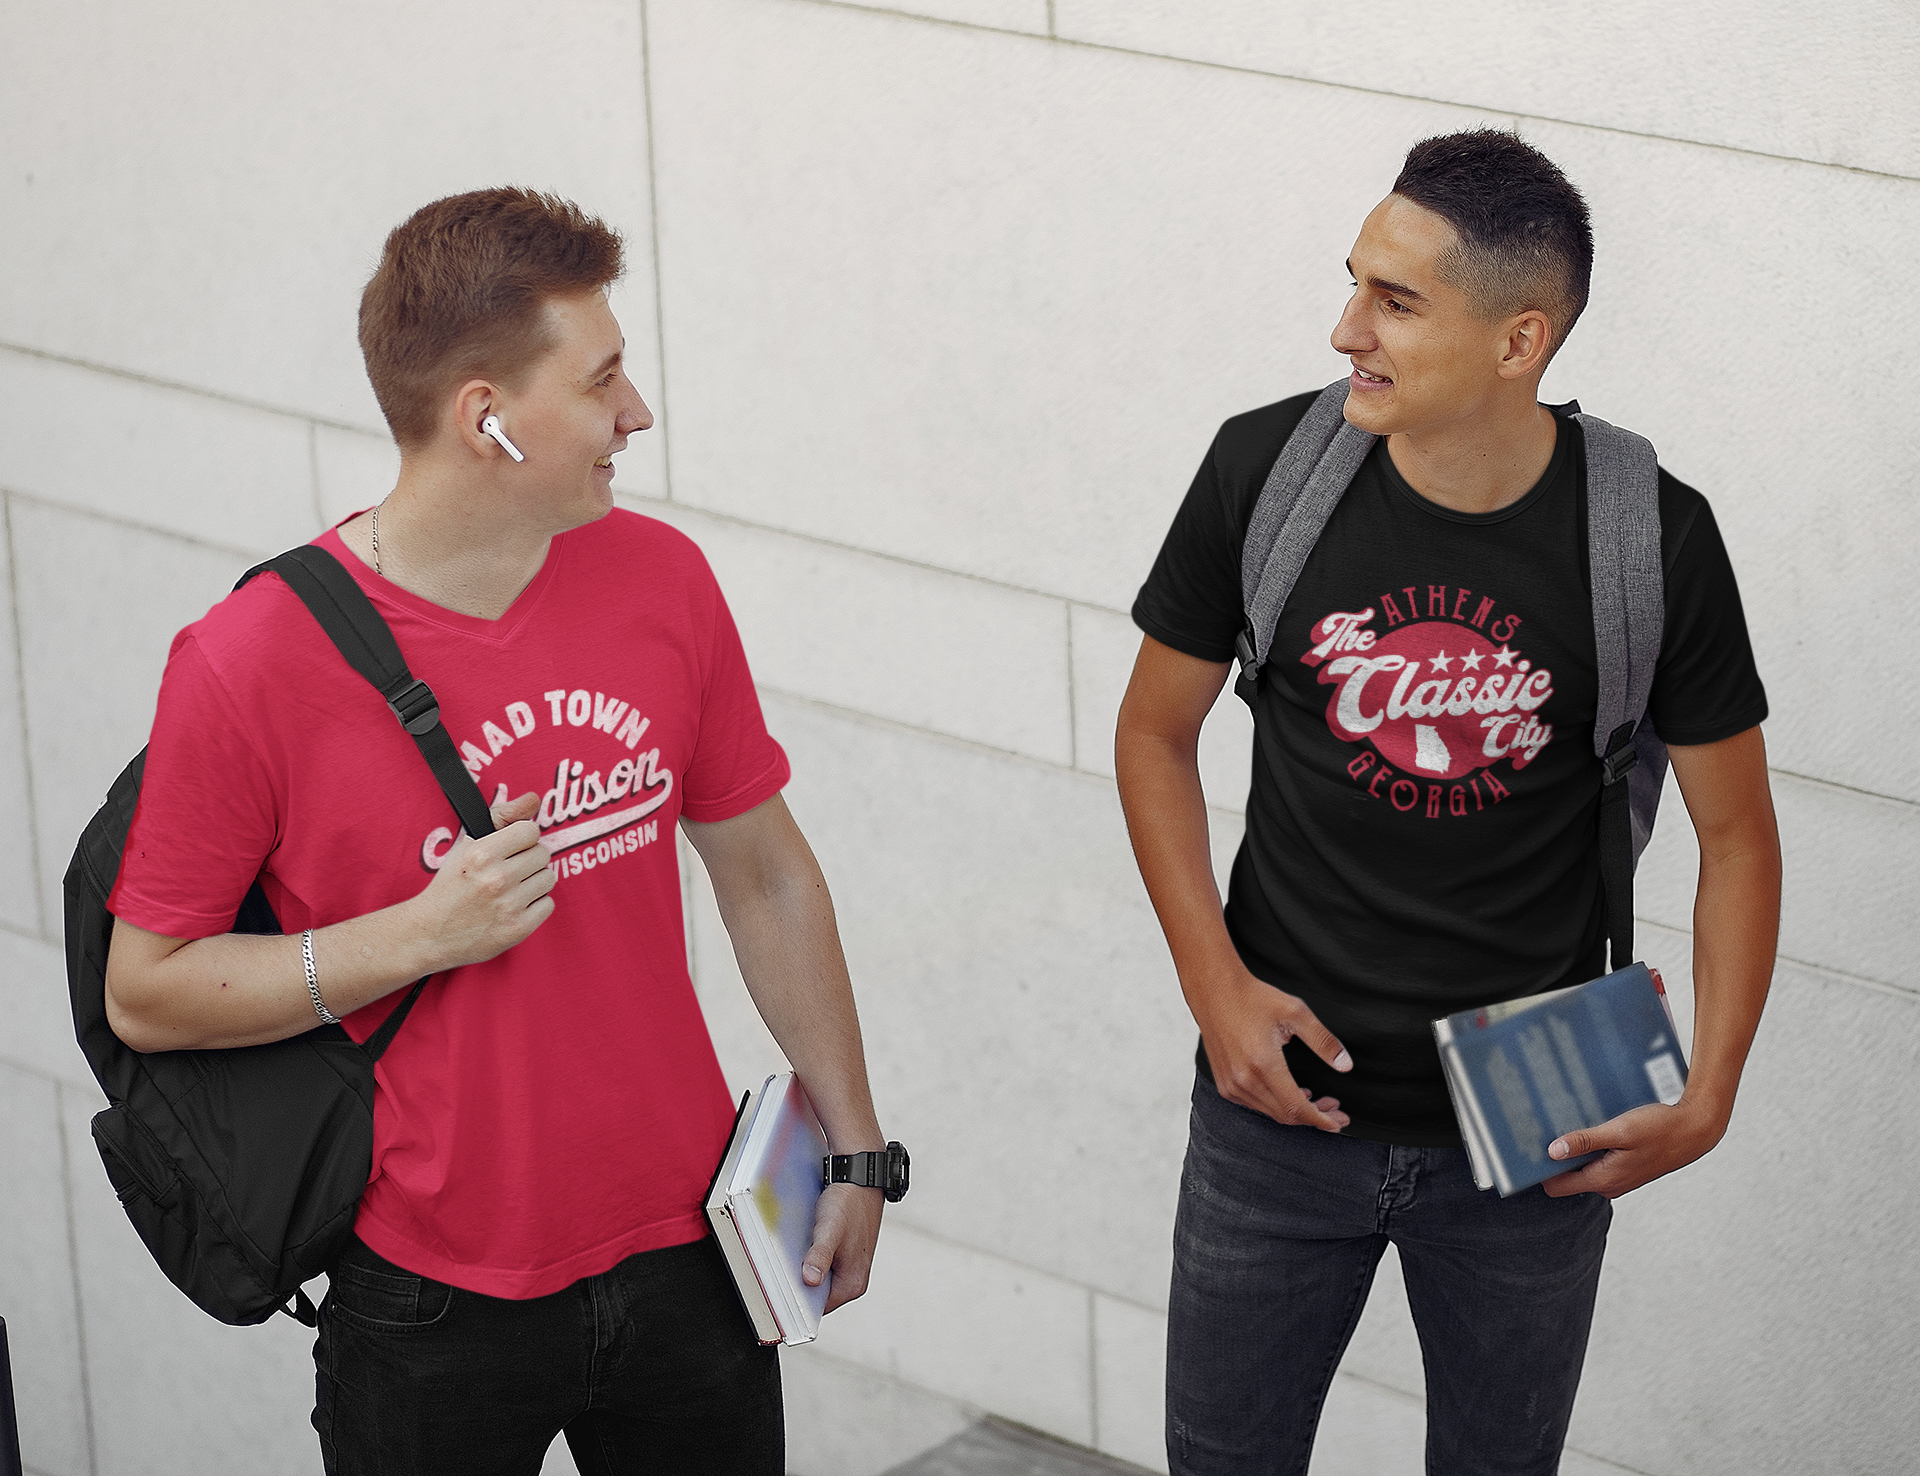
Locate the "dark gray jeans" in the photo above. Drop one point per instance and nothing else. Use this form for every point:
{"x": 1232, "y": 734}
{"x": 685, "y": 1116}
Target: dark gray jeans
{"x": 1274, "y": 1248}
{"x": 651, "y": 1368}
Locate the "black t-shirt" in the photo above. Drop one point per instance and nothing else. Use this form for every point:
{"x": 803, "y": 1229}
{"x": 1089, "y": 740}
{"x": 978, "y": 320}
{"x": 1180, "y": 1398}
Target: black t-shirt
{"x": 1422, "y": 824}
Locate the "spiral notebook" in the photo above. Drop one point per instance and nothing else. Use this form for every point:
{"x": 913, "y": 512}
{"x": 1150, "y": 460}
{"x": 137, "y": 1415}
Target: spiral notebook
{"x": 762, "y": 1204}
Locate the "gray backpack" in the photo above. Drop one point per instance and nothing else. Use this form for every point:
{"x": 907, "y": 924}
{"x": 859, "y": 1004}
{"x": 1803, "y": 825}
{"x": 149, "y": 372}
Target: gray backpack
{"x": 1629, "y": 606}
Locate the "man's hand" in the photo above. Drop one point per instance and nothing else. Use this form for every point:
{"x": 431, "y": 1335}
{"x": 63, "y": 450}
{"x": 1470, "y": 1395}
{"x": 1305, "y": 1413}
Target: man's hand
{"x": 1246, "y": 1025}
{"x": 774, "y": 903}
{"x": 1736, "y": 918}
{"x": 1636, "y": 1148}
{"x": 846, "y": 1228}
{"x": 490, "y": 893}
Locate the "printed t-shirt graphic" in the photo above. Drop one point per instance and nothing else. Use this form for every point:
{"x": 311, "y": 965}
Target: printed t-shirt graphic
{"x": 548, "y": 1112}
{"x": 585, "y": 819}
{"x": 1427, "y": 713}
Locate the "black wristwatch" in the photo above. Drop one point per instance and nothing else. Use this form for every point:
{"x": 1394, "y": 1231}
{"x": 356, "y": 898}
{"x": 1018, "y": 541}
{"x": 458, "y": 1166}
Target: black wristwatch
{"x": 886, "y": 1171}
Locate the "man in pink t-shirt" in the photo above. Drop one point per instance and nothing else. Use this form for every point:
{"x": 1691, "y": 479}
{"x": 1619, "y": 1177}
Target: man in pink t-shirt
{"x": 530, "y": 1254}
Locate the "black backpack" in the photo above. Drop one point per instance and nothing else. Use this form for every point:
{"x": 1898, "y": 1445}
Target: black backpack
{"x": 241, "y": 1169}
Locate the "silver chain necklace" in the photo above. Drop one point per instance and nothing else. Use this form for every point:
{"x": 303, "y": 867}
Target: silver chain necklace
{"x": 376, "y": 534}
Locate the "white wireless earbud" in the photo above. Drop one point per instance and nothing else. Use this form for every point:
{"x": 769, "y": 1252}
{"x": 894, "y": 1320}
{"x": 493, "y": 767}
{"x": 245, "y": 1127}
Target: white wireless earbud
{"x": 491, "y": 426}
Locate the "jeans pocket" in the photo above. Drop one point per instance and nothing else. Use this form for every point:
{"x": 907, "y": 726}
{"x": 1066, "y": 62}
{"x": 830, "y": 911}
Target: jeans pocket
{"x": 382, "y": 1301}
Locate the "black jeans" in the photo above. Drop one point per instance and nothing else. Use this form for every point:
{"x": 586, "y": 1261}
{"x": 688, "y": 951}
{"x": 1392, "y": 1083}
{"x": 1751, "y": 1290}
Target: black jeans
{"x": 651, "y": 1368}
{"x": 1274, "y": 1248}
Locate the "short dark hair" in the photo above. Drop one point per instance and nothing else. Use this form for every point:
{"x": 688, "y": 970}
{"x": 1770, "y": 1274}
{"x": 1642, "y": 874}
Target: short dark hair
{"x": 461, "y": 288}
{"x": 1526, "y": 240}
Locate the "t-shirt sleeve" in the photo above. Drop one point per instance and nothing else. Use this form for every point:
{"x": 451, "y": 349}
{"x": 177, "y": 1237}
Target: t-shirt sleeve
{"x": 1191, "y": 600}
{"x": 736, "y": 763}
{"x": 207, "y": 817}
{"x": 1706, "y": 687}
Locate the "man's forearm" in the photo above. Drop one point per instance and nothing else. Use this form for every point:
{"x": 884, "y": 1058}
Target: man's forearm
{"x": 788, "y": 947}
{"x": 1736, "y": 917}
{"x": 1166, "y": 813}
{"x": 239, "y": 989}
{"x": 164, "y": 994}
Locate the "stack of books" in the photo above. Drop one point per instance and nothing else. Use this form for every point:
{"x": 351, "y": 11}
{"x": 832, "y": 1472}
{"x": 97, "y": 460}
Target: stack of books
{"x": 762, "y": 1204}
{"x": 1524, "y": 1072}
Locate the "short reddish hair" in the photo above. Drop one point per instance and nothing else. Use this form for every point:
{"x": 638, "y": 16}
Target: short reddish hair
{"x": 460, "y": 290}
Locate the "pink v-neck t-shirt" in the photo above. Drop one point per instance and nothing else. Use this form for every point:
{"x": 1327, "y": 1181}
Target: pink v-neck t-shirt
{"x": 544, "y": 1114}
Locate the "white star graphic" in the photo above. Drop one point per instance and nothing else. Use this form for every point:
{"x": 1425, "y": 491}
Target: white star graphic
{"x": 1471, "y": 661}
{"x": 1440, "y": 662}
{"x": 1504, "y": 657}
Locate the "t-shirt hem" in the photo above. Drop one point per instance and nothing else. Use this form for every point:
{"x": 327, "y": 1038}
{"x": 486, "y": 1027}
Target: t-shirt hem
{"x": 1186, "y": 645}
{"x": 130, "y": 907}
{"x": 521, "y": 1286}
{"x": 1718, "y": 732}
{"x": 1394, "y": 1137}
{"x": 1400, "y": 1137}
{"x": 770, "y": 782}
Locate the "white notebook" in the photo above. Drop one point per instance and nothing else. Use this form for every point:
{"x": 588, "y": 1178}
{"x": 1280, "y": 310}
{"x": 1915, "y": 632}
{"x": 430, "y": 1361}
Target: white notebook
{"x": 762, "y": 1205}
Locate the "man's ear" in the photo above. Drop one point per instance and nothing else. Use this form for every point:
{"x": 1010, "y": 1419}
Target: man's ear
{"x": 473, "y": 402}
{"x": 1527, "y": 346}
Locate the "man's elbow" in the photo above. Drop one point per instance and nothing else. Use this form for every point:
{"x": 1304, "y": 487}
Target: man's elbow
{"x": 134, "y": 1027}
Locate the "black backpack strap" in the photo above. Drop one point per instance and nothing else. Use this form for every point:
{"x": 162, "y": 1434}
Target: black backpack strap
{"x": 1616, "y": 843}
{"x": 337, "y": 602}
{"x": 347, "y": 616}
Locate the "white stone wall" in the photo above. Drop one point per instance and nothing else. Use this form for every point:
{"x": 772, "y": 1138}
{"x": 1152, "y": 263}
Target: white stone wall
{"x": 938, "y": 311}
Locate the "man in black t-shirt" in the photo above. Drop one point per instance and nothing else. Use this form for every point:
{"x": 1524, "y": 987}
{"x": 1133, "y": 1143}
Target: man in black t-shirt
{"x": 1408, "y": 855}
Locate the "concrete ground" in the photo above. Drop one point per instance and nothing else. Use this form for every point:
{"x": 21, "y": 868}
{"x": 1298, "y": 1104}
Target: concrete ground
{"x": 993, "y": 1448}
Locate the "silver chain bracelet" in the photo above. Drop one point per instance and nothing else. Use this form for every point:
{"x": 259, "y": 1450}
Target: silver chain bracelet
{"x": 313, "y": 979}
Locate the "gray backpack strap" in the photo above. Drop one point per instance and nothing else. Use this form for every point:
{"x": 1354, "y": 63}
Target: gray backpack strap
{"x": 1629, "y": 615}
{"x": 1305, "y": 485}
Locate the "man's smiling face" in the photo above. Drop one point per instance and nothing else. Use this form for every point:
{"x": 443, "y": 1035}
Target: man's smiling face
{"x": 575, "y": 409}
{"x": 1422, "y": 357}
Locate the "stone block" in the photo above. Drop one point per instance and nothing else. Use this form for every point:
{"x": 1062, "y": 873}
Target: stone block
{"x": 352, "y": 470}
{"x": 34, "y": 1003}
{"x": 1808, "y": 519}
{"x": 1030, "y": 16}
{"x": 1758, "y": 1308}
{"x": 36, "y": 1279}
{"x": 1104, "y": 647}
{"x": 1848, "y": 861}
{"x": 913, "y": 645}
{"x": 227, "y": 250}
{"x": 1367, "y": 1429}
{"x": 99, "y": 604}
{"x": 174, "y": 1392}
{"x": 1718, "y": 73}
{"x": 1130, "y": 1381}
{"x": 164, "y": 458}
{"x": 19, "y": 881}
{"x": 1010, "y": 974}
{"x": 991, "y": 307}
{"x": 982, "y": 1330}
{"x": 845, "y": 1420}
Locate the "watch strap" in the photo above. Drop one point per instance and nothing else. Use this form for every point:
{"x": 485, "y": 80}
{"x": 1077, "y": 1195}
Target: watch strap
{"x": 874, "y": 1169}
{"x": 868, "y": 1170}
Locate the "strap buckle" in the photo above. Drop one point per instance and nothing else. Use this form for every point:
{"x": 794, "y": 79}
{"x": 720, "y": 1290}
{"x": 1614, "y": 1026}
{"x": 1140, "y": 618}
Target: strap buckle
{"x": 1621, "y": 755}
{"x": 1243, "y": 650}
{"x": 416, "y": 707}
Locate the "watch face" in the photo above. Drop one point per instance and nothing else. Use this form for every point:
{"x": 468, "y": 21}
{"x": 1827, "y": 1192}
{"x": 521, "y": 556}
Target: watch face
{"x": 898, "y": 1166}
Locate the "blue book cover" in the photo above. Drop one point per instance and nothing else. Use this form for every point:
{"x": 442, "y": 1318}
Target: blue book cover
{"x": 1525, "y": 1071}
